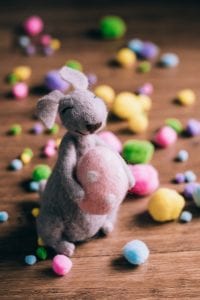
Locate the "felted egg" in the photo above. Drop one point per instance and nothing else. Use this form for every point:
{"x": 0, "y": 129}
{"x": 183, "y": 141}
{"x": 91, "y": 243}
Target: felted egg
{"x": 103, "y": 178}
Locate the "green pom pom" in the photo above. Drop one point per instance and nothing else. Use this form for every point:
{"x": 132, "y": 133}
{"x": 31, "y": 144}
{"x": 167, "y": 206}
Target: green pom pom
{"x": 41, "y": 253}
{"x": 112, "y": 27}
{"x": 175, "y": 124}
{"x": 41, "y": 172}
{"x": 28, "y": 151}
{"x": 12, "y": 79}
{"x": 137, "y": 152}
{"x": 144, "y": 67}
{"x": 74, "y": 64}
{"x": 54, "y": 129}
{"x": 15, "y": 129}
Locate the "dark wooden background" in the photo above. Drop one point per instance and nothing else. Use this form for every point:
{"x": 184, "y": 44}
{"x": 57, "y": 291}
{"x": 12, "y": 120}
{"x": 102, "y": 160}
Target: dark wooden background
{"x": 99, "y": 272}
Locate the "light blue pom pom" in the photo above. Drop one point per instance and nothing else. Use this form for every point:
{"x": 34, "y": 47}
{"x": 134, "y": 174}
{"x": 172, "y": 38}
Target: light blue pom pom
{"x": 169, "y": 60}
{"x": 190, "y": 176}
{"x": 186, "y": 216}
{"x": 196, "y": 195}
{"x": 182, "y": 155}
{"x": 136, "y": 252}
{"x": 3, "y": 216}
{"x": 30, "y": 259}
{"x": 135, "y": 45}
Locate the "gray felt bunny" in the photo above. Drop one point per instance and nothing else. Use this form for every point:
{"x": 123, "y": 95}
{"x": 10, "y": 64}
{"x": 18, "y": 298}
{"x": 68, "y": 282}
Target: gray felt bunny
{"x": 61, "y": 221}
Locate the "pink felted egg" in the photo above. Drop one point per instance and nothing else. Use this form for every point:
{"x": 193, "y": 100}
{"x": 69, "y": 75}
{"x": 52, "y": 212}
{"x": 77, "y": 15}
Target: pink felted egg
{"x": 146, "y": 179}
{"x": 102, "y": 176}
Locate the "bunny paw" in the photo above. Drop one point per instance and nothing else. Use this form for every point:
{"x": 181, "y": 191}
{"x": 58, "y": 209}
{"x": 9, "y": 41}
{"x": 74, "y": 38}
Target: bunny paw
{"x": 65, "y": 248}
{"x": 107, "y": 227}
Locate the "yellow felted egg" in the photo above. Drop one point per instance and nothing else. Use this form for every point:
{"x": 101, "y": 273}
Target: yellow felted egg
{"x": 103, "y": 178}
{"x": 22, "y": 72}
{"x": 126, "y": 57}
{"x": 126, "y": 105}
{"x": 186, "y": 97}
{"x": 145, "y": 102}
{"x": 106, "y": 93}
{"x": 165, "y": 205}
{"x": 139, "y": 123}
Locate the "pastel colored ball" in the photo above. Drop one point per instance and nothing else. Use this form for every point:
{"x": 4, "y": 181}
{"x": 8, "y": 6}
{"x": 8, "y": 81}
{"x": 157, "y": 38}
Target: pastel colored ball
{"x": 149, "y": 50}
{"x": 165, "y": 205}
{"x": 126, "y": 58}
{"x": 41, "y": 172}
{"x": 4, "y": 216}
{"x": 53, "y": 81}
{"x": 61, "y": 264}
{"x": 15, "y": 129}
{"x": 146, "y": 179}
{"x": 35, "y": 212}
{"x": 182, "y": 155}
{"x": 186, "y": 97}
{"x": 139, "y": 123}
{"x": 144, "y": 67}
{"x": 126, "y": 105}
{"x": 136, "y": 252}
{"x": 189, "y": 190}
{"x": 180, "y": 178}
{"x": 186, "y": 216}
{"x": 174, "y": 124}
{"x": 24, "y": 41}
{"x": 41, "y": 253}
{"x": 193, "y": 127}
{"x": 145, "y": 89}
{"x": 196, "y": 195}
{"x": 190, "y": 176}
{"x": 33, "y": 25}
{"x": 20, "y": 90}
{"x": 112, "y": 27}
{"x": 111, "y": 140}
{"x": 37, "y": 128}
{"x": 145, "y": 102}
{"x": 135, "y": 45}
{"x": 165, "y": 137}
{"x": 106, "y": 93}
{"x": 34, "y": 186}
{"x": 22, "y": 72}
{"x": 74, "y": 64}
{"x": 16, "y": 164}
{"x": 169, "y": 60}
{"x": 49, "y": 151}
{"x": 137, "y": 151}
{"x": 30, "y": 260}
{"x": 103, "y": 178}
{"x": 45, "y": 40}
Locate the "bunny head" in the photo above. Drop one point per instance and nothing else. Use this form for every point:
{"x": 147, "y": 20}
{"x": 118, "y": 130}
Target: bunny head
{"x": 81, "y": 112}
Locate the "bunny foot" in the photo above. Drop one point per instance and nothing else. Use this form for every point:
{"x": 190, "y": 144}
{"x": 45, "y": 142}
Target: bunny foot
{"x": 107, "y": 227}
{"x": 65, "y": 248}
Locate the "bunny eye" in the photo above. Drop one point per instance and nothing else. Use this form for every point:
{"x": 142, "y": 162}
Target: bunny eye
{"x": 66, "y": 108}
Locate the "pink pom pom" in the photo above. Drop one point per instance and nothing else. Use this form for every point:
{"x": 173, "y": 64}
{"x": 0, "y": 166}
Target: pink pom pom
{"x": 112, "y": 140}
{"x": 165, "y": 136}
{"x": 51, "y": 143}
{"x": 45, "y": 40}
{"x": 146, "y": 179}
{"x": 33, "y": 25}
{"x": 49, "y": 151}
{"x": 61, "y": 264}
{"x": 20, "y": 90}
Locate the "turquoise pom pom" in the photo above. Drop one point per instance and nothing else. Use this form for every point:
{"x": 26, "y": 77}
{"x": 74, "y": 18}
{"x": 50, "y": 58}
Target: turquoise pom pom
{"x": 136, "y": 252}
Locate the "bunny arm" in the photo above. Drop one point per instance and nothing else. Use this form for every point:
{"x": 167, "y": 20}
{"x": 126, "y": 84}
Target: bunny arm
{"x": 66, "y": 166}
{"x": 131, "y": 179}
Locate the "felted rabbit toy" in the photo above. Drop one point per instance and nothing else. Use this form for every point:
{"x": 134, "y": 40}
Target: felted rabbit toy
{"x": 89, "y": 180}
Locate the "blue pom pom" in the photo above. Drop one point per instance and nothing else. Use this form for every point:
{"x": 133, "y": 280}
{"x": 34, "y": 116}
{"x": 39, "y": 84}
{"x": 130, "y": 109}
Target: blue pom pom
{"x": 16, "y": 164}
{"x": 136, "y": 252}
{"x": 3, "y": 216}
{"x": 135, "y": 45}
{"x": 169, "y": 60}
{"x": 30, "y": 259}
{"x": 190, "y": 176}
{"x": 182, "y": 155}
{"x": 186, "y": 216}
{"x": 34, "y": 186}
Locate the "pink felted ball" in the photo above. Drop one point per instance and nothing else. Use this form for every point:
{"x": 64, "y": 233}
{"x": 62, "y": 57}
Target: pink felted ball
{"x": 102, "y": 176}
{"x": 20, "y": 90}
{"x": 146, "y": 179}
{"x": 45, "y": 40}
{"x": 165, "y": 137}
{"x": 61, "y": 264}
{"x": 49, "y": 151}
{"x": 112, "y": 140}
{"x": 33, "y": 25}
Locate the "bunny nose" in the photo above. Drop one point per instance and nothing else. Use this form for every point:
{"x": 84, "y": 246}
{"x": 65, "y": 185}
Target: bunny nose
{"x": 93, "y": 127}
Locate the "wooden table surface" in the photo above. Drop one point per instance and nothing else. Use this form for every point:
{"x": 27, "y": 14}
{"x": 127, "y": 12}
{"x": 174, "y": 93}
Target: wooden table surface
{"x": 99, "y": 272}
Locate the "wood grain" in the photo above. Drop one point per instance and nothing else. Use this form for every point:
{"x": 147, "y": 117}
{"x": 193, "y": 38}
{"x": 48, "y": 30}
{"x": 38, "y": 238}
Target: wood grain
{"x": 99, "y": 272}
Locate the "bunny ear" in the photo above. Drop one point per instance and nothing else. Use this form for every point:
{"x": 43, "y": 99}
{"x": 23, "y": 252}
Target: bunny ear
{"x": 47, "y": 107}
{"x": 76, "y": 78}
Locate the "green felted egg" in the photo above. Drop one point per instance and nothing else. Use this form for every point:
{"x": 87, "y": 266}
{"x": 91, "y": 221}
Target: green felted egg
{"x": 74, "y": 64}
{"x": 112, "y": 27}
{"x": 54, "y": 129}
{"x": 137, "y": 152}
{"x": 15, "y": 129}
{"x": 41, "y": 172}
{"x": 41, "y": 253}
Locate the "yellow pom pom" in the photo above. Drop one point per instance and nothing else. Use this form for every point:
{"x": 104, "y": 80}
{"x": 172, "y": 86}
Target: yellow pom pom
{"x": 106, "y": 93}
{"x": 145, "y": 102}
{"x": 126, "y": 58}
{"x": 55, "y": 44}
{"x": 58, "y": 141}
{"x": 40, "y": 242}
{"x": 22, "y": 72}
{"x": 35, "y": 212}
{"x": 25, "y": 158}
{"x": 186, "y": 97}
{"x": 139, "y": 123}
{"x": 165, "y": 205}
{"x": 126, "y": 105}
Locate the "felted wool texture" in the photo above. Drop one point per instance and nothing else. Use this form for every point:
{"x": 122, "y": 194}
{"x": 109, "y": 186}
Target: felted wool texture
{"x": 102, "y": 176}
{"x": 61, "y": 221}
{"x": 165, "y": 205}
{"x": 146, "y": 179}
